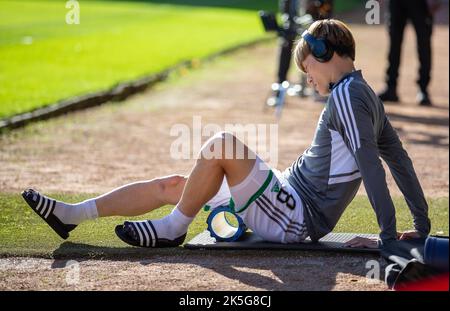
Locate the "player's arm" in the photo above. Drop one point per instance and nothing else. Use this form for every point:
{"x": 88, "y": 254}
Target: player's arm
{"x": 405, "y": 177}
{"x": 354, "y": 120}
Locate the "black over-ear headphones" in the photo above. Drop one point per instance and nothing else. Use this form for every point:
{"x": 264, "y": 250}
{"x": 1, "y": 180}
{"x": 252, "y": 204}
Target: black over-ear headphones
{"x": 321, "y": 48}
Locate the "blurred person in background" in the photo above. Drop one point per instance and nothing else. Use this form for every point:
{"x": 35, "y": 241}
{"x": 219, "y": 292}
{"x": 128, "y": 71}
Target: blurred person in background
{"x": 420, "y": 13}
{"x": 290, "y": 9}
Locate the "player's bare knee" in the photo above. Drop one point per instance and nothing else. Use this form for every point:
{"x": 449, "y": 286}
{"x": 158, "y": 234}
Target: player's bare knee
{"x": 221, "y": 146}
{"x": 171, "y": 181}
{"x": 175, "y": 179}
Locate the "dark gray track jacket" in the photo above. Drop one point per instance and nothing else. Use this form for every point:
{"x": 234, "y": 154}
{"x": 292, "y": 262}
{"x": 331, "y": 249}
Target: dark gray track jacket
{"x": 352, "y": 133}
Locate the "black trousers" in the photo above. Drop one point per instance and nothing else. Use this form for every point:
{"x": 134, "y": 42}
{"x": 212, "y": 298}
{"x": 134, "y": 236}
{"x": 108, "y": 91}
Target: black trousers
{"x": 286, "y": 45}
{"x": 289, "y": 9}
{"x": 400, "y": 11}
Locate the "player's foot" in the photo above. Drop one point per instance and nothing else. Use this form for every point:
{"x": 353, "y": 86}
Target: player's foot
{"x": 44, "y": 207}
{"x": 423, "y": 99}
{"x": 388, "y": 96}
{"x": 143, "y": 233}
{"x": 273, "y": 100}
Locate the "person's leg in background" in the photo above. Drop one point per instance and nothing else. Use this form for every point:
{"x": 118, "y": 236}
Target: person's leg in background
{"x": 422, "y": 20}
{"x": 284, "y": 57}
{"x": 289, "y": 11}
{"x": 397, "y": 18}
{"x": 285, "y": 45}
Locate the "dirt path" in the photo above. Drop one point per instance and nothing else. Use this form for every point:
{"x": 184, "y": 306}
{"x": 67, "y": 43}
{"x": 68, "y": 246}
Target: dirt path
{"x": 102, "y": 148}
{"x": 195, "y": 271}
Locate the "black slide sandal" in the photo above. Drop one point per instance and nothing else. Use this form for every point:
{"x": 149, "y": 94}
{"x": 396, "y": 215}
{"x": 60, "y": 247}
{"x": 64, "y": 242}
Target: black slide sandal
{"x": 125, "y": 237}
{"x": 44, "y": 207}
{"x": 147, "y": 236}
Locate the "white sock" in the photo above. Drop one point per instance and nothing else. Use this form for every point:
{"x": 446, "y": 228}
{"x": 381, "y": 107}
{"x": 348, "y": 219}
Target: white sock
{"x": 173, "y": 225}
{"x": 74, "y": 214}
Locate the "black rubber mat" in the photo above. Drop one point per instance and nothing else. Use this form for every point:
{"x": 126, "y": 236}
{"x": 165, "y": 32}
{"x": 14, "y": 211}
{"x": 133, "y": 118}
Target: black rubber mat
{"x": 333, "y": 242}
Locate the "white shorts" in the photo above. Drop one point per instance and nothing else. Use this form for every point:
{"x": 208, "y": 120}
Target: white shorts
{"x": 267, "y": 204}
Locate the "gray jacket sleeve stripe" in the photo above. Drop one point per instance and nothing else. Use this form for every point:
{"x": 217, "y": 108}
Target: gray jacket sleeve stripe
{"x": 352, "y": 116}
{"x": 348, "y": 125}
{"x": 348, "y": 112}
{"x": 346, "y": 116}
{"x": 341, "y": 117}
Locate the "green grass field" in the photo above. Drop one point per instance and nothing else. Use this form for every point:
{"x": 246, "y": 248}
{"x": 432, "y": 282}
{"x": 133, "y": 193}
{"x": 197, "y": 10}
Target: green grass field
{"x": 43, "y": 59}
{"x": 23, "y": 233}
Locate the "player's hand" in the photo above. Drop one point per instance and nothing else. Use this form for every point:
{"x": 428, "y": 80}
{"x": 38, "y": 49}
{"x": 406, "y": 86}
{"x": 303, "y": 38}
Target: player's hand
{"x": 407, "y": 235}
{"x": 362, "y": 242}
